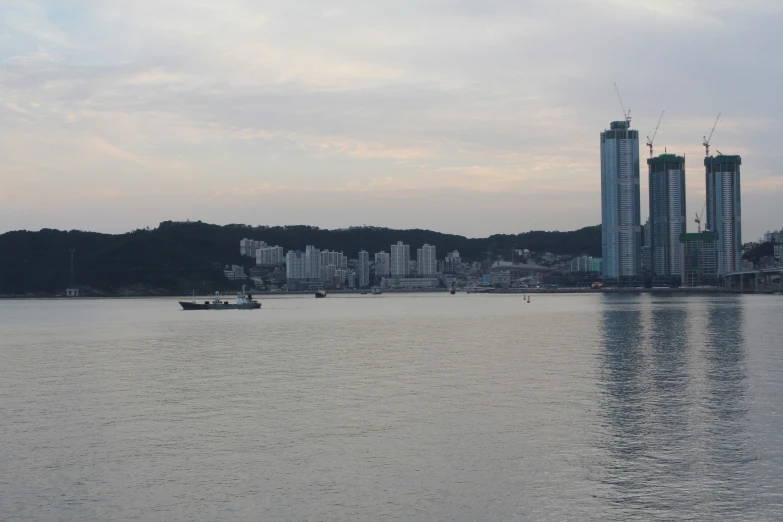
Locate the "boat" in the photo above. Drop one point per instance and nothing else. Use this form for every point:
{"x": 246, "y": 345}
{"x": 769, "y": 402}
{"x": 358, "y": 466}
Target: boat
{"x": 376, "y": 290}
{"x": 244, "y": 302}
{"x": 320, "y": 293}
{"x": 453, "y": 290}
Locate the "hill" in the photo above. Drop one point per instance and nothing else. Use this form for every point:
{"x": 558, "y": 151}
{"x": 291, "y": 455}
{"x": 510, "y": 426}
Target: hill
{"x": 180, "y": 257}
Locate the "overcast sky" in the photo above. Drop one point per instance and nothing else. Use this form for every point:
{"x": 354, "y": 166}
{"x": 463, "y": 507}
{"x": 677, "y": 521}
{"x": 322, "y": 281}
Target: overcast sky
{"x": 464, "y": 116}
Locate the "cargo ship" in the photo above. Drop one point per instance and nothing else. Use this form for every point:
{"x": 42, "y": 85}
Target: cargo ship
{"x": 244, "y": 301}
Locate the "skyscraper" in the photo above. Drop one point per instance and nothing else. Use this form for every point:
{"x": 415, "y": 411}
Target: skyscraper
{"x": 724, "y": 211}
{"x": 426, "y": 260}
{"x": 667, "y": 216}
{"x": 363, "y": 269}
{"x": 620, "y": 203}
{"x": 400, "y": 260}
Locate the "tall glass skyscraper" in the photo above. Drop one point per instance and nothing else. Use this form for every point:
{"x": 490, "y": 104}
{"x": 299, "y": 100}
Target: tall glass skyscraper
{"x": 621, "y": 228}
{"x": 724, "y": 212}
{"x": 667, "y": 216}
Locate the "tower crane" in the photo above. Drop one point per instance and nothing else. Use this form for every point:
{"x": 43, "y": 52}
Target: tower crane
{"x": 707, "y": 140}
{"x": 699, "y": 256}
{"x": 650, "y": 140}
{"x": 626, "y": 115}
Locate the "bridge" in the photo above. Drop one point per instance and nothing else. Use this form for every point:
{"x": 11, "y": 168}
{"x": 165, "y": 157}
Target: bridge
{"x": 768, "y": 280}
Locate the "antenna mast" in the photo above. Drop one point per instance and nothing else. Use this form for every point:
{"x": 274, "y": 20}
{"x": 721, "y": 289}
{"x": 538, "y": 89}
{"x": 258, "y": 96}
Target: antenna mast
{"x": 626, "y": 115}
{"x": 707, "y": 140}
{"x": 650, "y": 140}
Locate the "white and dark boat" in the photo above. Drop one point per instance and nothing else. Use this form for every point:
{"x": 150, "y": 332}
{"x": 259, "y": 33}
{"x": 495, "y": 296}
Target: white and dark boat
{"x": 244, "y": 301}
{"x": 320, "y": 293}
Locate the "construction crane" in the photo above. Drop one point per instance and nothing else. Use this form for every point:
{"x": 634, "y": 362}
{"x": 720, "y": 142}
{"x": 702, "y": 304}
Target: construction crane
{"x": 699, "y": 255}
{"x": 699, "y": 217}
{"x": 626, "y": 115}
{"x": 650, "y": 140}
{"x": 707, "y": 140}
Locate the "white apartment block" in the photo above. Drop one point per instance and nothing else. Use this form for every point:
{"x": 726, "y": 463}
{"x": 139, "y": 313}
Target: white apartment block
{"x": 426, "y": 261}
{"x": 400, "y": 260}
{"x": 295, "y": 265}
{"x": 270, "y": 256}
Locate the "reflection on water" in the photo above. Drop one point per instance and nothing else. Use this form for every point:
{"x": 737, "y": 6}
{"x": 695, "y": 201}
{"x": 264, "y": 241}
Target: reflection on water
{"x": 419, "y": 407}
{"x": 674, "y": 407}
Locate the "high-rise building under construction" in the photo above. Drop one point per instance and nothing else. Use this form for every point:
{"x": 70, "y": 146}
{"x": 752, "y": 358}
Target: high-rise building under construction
{"x": 620, "y": 203}
{"x": 667, "y": 216}
{"x": 724, "y": 211}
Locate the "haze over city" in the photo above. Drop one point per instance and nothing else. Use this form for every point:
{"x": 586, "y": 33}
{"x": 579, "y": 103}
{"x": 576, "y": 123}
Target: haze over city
{"x": 463, "y": 117}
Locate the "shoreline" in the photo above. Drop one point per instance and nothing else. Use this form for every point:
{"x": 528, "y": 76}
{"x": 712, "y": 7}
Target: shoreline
{"x": 681, "y": 291}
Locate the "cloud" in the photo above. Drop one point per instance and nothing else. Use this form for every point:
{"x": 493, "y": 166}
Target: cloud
{"x": 377, "y": 101}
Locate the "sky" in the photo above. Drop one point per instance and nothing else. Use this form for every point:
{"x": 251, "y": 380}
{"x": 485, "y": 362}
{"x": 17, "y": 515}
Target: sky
{"x": 461, "y": 116}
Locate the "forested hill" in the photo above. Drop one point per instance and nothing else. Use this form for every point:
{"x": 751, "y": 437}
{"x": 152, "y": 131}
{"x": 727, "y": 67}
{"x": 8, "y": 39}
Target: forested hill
{"x": 178, "y": 257}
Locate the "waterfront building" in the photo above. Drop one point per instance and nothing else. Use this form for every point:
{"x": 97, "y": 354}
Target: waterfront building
{"x": 327, "y": 273}
{"x": 724, "y": 209}
{"x": 400, "y": 260}
{"x": 620, "y": 203}
{"x": 312, "y": 263}
{"x": 410, "y": 282}
{"x": 382, "y": 264}
{"x": 586, "y": 264}
{"x": 699, "y": 259}
{"x": 778, "y": 250}
{"x": 295, "y": 265}
{"x": 270, "y": 255}
{"x": 337, "y": 259}
{"x": 500, "y": 277}
{"x": 667, "y": 217}
{"x": 426, "y": 261}
{"x": 363, "y": 269}
{"x": 646, "y": 248}
{"x": 452, "y": 262}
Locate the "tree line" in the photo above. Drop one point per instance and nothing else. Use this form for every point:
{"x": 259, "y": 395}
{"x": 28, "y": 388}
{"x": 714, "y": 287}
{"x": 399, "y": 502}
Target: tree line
{"x": 180, "y": 257}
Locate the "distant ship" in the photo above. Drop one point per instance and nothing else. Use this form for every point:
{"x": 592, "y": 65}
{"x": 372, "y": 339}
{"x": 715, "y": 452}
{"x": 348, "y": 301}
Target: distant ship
{"x": 453, "y": 289}
{"x": 320, "y": 293}
{"x": 244, "y": 302}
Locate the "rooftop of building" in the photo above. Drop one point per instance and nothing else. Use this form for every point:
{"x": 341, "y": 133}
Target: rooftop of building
{"x": 720, "y": 158}
{"x": 705, "y": 236}
{"x": 666, "y": 158}
{"x": 620, "y": 125}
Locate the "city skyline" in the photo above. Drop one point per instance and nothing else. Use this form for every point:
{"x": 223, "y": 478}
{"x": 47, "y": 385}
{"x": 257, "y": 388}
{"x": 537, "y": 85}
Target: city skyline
{"x": 468, "y": 118}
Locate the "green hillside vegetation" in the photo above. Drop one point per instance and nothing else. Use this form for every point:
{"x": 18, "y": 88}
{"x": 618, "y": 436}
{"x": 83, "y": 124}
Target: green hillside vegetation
{"x": 181, "y": 257}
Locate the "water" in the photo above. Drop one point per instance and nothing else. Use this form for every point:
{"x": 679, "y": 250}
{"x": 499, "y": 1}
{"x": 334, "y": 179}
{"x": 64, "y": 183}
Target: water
{"x": 394, "y": 407}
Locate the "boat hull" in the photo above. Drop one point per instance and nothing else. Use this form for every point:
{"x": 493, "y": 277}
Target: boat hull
{"x": 211, "y": 306}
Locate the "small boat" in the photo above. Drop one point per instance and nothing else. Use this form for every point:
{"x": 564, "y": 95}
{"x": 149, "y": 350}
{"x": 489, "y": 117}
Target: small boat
{"x": 244, "y": 302}
{"x": 453, "y": 290}
{"x": 320, "y": 293}
{"x": 376, "y": 290}
{"x": 528, "y": 299}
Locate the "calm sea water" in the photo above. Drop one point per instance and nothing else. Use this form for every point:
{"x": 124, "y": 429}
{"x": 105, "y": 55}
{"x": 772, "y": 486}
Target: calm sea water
{"x": 394, "y": 407}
